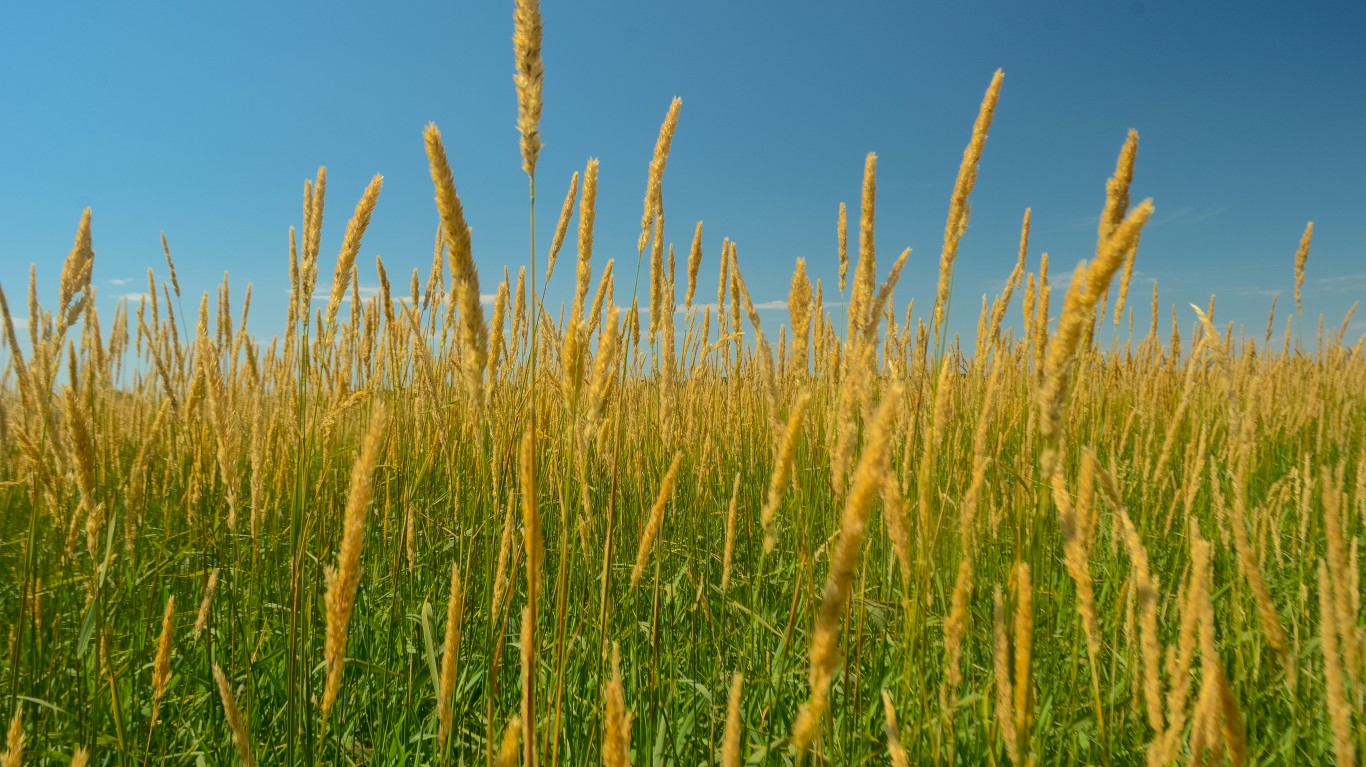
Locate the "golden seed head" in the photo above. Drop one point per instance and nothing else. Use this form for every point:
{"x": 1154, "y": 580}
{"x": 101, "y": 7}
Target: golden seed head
{"x": 732, "y": 740}
{"x": 161, "y": 669}
{"x": 240, "y": 737}
{"x": 654, "y": 190}
{"x": 344, "y": 579}
{"x": 529, "y": 78}
{"x": 1302, "y": 256}
{"x": 14, "y": 741}
{"x": 656, "y": 519}
{"x": 842, "y": 232}
{"x": 616, "y": 741}
{"x": 562, "y": 225}
{"x": 509, "y": 747}
{"x": 587, "y": 215}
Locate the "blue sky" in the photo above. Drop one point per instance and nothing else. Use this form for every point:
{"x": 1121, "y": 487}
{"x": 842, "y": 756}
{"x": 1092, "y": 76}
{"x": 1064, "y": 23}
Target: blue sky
{"x": 204, "y": 120}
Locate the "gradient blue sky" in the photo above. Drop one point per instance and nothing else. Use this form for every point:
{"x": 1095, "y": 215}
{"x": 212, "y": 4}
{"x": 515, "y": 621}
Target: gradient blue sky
{"x": 204, "y": 119}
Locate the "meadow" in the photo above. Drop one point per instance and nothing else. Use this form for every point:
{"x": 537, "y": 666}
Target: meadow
{"x": 656, "y": 530}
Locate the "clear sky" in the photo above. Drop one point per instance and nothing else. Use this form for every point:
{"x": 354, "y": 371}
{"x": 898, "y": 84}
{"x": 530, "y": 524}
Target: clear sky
{"x": 204, "y": 119}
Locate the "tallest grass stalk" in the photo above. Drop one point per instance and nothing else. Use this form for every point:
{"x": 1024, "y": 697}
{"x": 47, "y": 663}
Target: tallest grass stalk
{"x": 529, "y": 79}
{"x": 302, "y": 290}
{"x": 959, "y": 209}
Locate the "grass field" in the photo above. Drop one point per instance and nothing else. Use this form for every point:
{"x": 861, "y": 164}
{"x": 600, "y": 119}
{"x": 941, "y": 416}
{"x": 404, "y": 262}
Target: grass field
{"x": 410, "y": 531}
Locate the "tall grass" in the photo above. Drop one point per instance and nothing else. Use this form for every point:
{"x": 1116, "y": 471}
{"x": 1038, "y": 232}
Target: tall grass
{"x": 875, "y": 542}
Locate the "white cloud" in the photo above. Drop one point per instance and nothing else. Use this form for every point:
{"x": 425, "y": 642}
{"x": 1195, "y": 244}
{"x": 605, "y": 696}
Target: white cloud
{"x": 119, "y": 281}
{"x": 1342, "y": 283}
{"x": 763, "y": 306}
{"x": 368, "y": 291}
{"x": 324, "y": 295}
{"x": 132, "y": 298}
{"x": 1248, "y": 290}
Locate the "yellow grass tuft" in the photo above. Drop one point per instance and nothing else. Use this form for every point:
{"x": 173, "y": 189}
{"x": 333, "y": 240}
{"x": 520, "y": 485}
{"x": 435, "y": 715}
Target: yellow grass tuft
{"x": 1302, "y": 256}
{"x": 732, "y": 740}
{"x": 343, "y": 579}
{"x": 782, "y": 469}
{"x": 450, "y": 650}
{"x": 655, "y": 520}
{"x": 14, "y": 741}
{"x": 958, "y": 203}
{"x": 654, "y": 188}
{"x": 529, "y": 79}
{"x": 616, "y": 740}
{"x": 241, "y": 737}
{"x": 161, "y": 667}
{"x": 895, "y": 751}
{"x": 868, "y": 478}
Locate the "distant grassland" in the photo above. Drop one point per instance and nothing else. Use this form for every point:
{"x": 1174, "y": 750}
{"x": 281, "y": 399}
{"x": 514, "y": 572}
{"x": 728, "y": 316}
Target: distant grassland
{"x": 411, "y": 532}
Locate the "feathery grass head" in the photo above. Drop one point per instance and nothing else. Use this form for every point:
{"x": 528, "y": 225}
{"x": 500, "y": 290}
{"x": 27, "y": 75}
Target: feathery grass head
{"x": 1089, "y": 282}
{"x": 170, "y": 265}
{"x": 895, "y": 751}
{"x": 1117, "y": 189}
{"x": 562, "y": 226}
{"x": 1001, "y": 668}
{"x": 723, "y": 276}
{"x": 654, "y": 190}
{"x": 529, "y": 79}
{"x": 510, "y": 746}
{"x": 958, "y": 203}
{"x": 842, "y": 235}
{"x": 1335, "y": 688}
{"x": 315, "y": 194}
{"x": 782, "y": 469}
{"x": 1302, "y": 256}
{"x": 655, "y": 520}
{"x": 74, "y": 288}
{"x": 344, "y": 579}
{"x": 161, "y": 668}
{"x": 604, "y": 293}
{"x": 1022, "y": 643}
{"x": 868, "y": 479}
{"x": 729, "y": 551}
{"x": 450, "y": 649}
{"x": 616, "y": 740}
{"x": 346, "y": 259}
{"x": 202, "y": 619}
{"x": 800, "y": 307}
{"x": 241, "y": 737}
{"x": 731, "y": 741}
{"x": 78, "y": 420}
{"x": 657, "y": 278}
{"x": 865, "y": 271}
{"x": 587, "y": 216}
{"x": 14, "y": 741}
{"x": 694, "y": 263}
{"x": 473, "y": 331}
{"x": 531, "y": 518}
